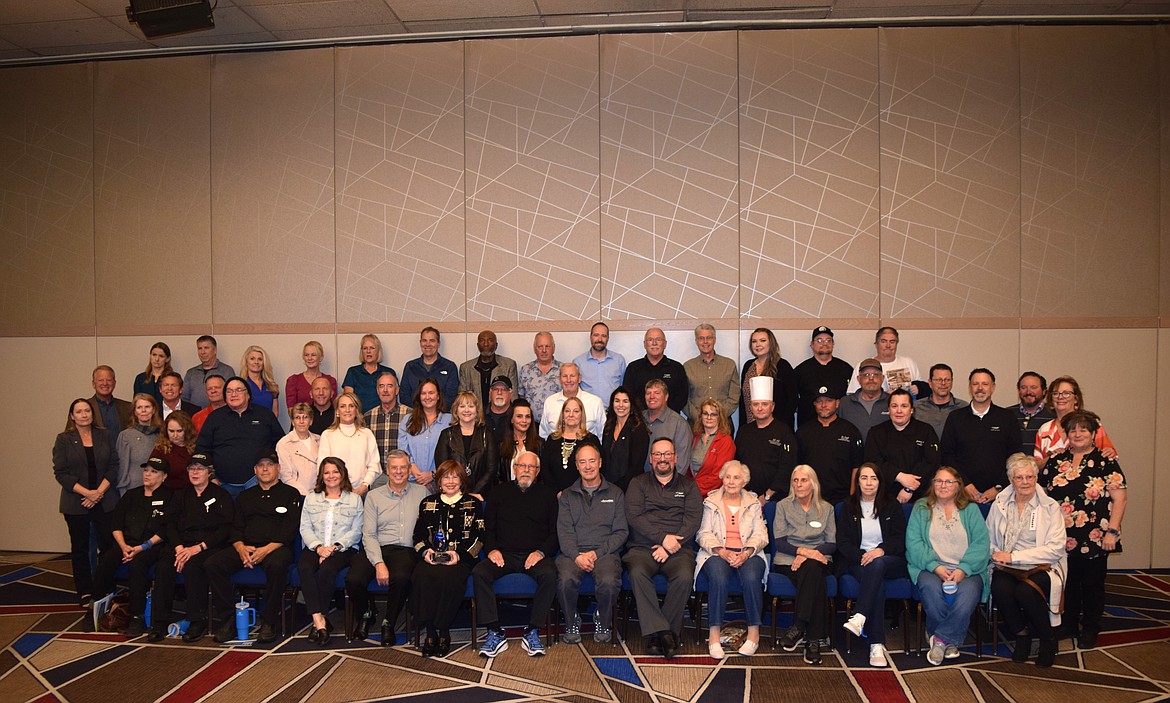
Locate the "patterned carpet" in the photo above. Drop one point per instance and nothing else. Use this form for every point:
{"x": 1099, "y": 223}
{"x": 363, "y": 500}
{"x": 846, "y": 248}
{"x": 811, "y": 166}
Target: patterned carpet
{"x": 46, "y": 656}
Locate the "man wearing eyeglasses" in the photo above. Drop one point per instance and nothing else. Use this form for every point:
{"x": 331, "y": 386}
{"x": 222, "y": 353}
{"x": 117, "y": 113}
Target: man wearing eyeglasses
{"x": 664, "y": 510}
{"x": 236, "y": 434}
{"x": 869, "y": 405}
{"x": 978, "y": 441}
{"x": 933, "y": 410}
{"x": 656, "y": 364}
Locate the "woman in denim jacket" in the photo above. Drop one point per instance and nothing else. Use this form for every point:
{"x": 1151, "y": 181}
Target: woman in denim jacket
{"x": 331, "y": 528}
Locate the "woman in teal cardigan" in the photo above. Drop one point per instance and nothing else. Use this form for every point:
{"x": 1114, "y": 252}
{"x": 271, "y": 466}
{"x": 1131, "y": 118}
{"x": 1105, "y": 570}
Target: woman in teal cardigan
{"x": 947, "y": 550}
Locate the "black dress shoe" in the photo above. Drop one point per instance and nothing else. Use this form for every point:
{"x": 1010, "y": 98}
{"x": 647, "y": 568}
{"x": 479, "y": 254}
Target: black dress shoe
{"x": 225, "y": 632}
{"x": 430, "y": 646}
{"x": 195, "y": 631}
{"x": 1023, "y": 650}
{"x": 136, "y": 627}
{"x": 669, "y": 644}
{"x": 388, "y": 638}
{"x": 444, "y": 647}
{"x": 1047, "y": 655}
{"x": 266, "y": 634}
{"x": 361, "y": 631}
{"x": 321, "y": 636}
{"x": 157, "y": 634}
{"x": 654, "y": 646}
{"x": 1087, "y": 639}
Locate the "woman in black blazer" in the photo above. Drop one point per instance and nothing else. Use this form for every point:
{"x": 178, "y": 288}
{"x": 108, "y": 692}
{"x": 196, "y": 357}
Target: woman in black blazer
{"x": 871, "y": 545}
{"x": 766, "y": 361}
{"x": 86, "y": 466}
{"x": 625, "y": 441}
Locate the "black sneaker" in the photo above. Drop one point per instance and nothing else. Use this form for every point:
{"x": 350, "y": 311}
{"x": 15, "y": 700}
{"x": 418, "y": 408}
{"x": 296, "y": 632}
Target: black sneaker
{"x": 157, "y": 634}
{"x": 226, "y": 632}
{"x": 791, "y": 639}
{"x": 266, "y": 634}
{"x": 195, "y": 631}
{"x": 136, "y": 627}
{"x": 812, "y": 653}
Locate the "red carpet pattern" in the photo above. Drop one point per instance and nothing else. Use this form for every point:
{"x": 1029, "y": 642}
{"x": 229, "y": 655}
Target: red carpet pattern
{"x": 46, "y": 656}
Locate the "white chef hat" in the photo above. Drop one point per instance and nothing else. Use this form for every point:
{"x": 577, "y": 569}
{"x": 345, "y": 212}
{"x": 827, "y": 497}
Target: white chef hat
{"x": 761, "y": 387}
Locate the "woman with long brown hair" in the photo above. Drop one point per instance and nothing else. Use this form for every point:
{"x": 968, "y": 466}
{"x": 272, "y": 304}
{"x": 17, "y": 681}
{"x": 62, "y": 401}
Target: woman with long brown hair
{"x": 176, "y": 444}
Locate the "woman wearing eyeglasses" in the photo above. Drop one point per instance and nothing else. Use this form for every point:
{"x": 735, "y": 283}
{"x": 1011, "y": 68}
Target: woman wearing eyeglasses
{"x": 947, "y": 550}
{"x": 1064, "y": 397}
{"x": 712, "y": 448}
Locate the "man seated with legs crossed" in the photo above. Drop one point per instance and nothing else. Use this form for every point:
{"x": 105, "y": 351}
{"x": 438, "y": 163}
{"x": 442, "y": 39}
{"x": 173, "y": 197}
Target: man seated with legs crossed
{"x": 267, "y": 518}
{"x": 664, "y": 510}
{"x": 591, "y": 528}
{"x": 387, "y": 547}
{"x": 520, "y": 537}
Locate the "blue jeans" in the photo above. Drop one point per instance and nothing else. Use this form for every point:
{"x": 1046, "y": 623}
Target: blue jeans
{"x": 235, "y": 489}
{"x": 751, "y": 580}
{"x": 871, "y": 600}
{"x": 949, "y": 623}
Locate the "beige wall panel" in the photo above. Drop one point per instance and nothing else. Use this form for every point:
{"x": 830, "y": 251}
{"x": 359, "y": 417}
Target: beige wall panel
{"x": 1164, "y": 241}
{"x": 30, "y": 520}
{"x": 1089, "y": 156}
{"x": 46, "y": 200}
{"x": 1123, "y": 400}
{"x": 152, "y": 190}
{"x": 400, "y": 233}
{"x": 669, "y": 176}
{"x": 272, "y": 187}
{"x": 128, "y": 355}
{"x": 1160, "y": 549}
{"x": 809, "y": 173}
{"x": 533, "y": 238}
{"x": 950, "y": 166}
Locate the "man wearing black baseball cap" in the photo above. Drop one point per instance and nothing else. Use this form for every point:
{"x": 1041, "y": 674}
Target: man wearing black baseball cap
{"x": 822, "y": 369}
{"x": 832, "y": 444}
{"x": 498, "y": 414}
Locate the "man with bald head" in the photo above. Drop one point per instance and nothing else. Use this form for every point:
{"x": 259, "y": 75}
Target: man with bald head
{"x": 540, "y": 377}
{"x": 321, "y": 391}
{"x": 591, "y": 528}
{"x": 476, "y": 374}
{"x": 656, "y": 364}
{"x": 520, "y": 537}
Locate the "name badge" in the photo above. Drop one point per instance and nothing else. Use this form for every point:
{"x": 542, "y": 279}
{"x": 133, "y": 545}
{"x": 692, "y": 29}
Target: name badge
{"x": 443, "y": 373}
{"x": 680, "y": 494}
{"x": 208, "y": 503}
{"x": 815, "y": 523}
{"x": 281, "y": 509}
{"x": 607, "y": 500}
{"x": 157, "y": 502}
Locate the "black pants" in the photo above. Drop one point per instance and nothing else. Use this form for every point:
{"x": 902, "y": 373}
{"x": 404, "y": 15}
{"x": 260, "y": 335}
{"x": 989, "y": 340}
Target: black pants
{"x": 400, "y": 561}
{"x": 194, "y": 576}
{"x": 227, "y": 562}
{"x": 79, "y": 545}
{"x": 139, "y": 575}
{"x": 437, "y": 592}
{"x": 1020, "y": 605}
{"x": 485, "y": 573}
{"x": 319, "y": 578}
{"x": 810, "y": 612}
{"x": 1084, "y": 593}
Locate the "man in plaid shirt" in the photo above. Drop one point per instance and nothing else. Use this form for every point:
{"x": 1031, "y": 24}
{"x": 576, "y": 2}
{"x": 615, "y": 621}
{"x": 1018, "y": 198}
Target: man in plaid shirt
{"x": 383, "y": 420}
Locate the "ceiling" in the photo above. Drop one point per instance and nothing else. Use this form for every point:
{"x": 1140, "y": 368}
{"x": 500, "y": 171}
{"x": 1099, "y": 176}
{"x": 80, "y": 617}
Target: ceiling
{"x": 36, "y": 30}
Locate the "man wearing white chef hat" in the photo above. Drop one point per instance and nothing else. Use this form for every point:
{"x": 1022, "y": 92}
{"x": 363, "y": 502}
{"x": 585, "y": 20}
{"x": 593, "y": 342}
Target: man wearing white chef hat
{"x": 766, "y": 445}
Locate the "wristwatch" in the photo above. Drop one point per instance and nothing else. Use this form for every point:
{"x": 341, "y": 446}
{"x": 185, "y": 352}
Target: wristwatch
{"x": 906, "y": 489}
{"x": 1114, "y": 532}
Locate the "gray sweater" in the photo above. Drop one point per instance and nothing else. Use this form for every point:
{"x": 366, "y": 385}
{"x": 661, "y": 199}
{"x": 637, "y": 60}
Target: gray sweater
{"x": 594, "y": 522}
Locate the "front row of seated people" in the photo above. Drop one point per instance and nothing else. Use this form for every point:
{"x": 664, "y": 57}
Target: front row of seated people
{"x": 422, "y": 547}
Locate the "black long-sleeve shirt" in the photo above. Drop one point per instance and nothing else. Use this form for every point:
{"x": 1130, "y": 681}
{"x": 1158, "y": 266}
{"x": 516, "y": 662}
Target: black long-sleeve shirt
{"x": 770, "y": 455}
{"x": 521, "y": 522}
{"x": 639, "y": 372}
{"x": 139, "y": 516}
{"x": 192, "y": 518}
{"x": 266, "y": 516}
{"x": 912, "y": 450}
{"x": 233, "y": 440}
{"x": 654, "y": 510}
{"x": 979, "y": 446}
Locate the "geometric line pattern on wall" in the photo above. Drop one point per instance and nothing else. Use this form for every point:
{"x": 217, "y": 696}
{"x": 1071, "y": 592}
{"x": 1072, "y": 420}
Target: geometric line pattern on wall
{"x": 809, "y": 165}
{"x": 950, "y": 172}
{"x": 532, "y": 179}
{"x": 1089, "y": 159}
{"x": 670, "y": 176}
{"x": 400, "y": 230}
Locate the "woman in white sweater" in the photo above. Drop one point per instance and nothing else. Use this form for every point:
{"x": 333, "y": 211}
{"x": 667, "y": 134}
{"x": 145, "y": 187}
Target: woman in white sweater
{"x": 350, "y": 440}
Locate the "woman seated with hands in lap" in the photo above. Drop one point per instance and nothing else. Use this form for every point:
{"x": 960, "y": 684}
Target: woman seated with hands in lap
{"x": 331, "y": 528}
{"x": 732, "y": 540}
{"x": 947, "y": 551}
{"x": 806, "y": 537}
{"x": 871, "y": 545}
{"x": 1028, "y": 560}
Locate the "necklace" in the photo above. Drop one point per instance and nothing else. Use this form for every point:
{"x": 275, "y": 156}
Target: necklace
{"x": 341, "y": 429}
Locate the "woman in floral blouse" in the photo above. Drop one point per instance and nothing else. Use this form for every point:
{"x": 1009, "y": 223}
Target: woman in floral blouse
{"x": 1091, "y": 492}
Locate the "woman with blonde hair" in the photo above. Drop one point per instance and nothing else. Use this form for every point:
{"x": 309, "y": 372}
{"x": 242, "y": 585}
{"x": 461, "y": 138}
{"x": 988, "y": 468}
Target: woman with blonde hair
{"x": 469, "y": 442}
{"x": 257, "y": 372}
{"x": 298, "y": 450}
{"x": 136, "y": 442}
{"x": 805, "y": 539}
{"x": 349, "y": 439}
{"x": 362, "y": 378}
{"x": 297, "y": 387}
{"x": 558, "y": 465}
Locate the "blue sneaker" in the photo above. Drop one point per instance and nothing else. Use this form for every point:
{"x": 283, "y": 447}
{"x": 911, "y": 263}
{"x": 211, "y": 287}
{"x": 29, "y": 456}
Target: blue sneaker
{"x": 531, "y": 643}
{"x": 494, "y": 644}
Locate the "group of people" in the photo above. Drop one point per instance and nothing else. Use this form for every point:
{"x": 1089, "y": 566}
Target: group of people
{"x": 408, "y": 482}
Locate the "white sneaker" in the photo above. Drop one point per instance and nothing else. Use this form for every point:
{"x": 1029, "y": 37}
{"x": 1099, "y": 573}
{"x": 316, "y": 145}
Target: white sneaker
{"x": 715, "y": 650}
{"x": 748, "y": 648}
{"x": 937, "y": 651}
{"x": 877, "y": 655}
{"x": 855, "y": 624}
{"x": 951, "y": 652}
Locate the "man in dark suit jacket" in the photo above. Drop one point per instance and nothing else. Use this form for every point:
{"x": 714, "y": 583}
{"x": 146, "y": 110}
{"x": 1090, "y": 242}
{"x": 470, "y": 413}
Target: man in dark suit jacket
{"x": 117, "y": 414}
{"x": 170, "y": 386}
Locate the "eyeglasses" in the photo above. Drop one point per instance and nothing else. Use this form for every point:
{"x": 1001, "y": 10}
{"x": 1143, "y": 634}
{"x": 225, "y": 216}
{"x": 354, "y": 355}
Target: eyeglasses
{"x": 945, "y": 482}
{"x": 526, "y": 466}
{"x": 710, "y": 414}
{"x": 1062, "y": 394}
{"x": 236, "y": 390}
{"x": 871, "y": 375}
{"x": 661, "y": 455}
